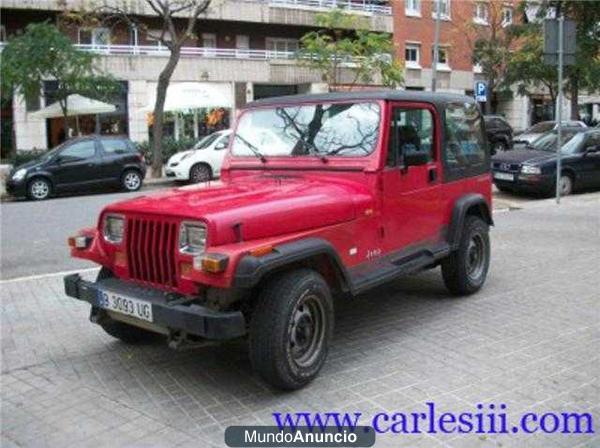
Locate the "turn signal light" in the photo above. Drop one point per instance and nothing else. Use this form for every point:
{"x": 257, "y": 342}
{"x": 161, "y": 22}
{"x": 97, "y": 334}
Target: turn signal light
{"x": 120, "y": 258}
{"x": 213, "y": 263}
{"x": 261, "y": 251}
{"x": 79, "y": 242}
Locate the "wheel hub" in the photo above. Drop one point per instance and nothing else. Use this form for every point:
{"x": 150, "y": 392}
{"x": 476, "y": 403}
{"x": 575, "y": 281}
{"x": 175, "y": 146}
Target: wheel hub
{"x": 306, "y": 331}
{"x": 475, "y": 257}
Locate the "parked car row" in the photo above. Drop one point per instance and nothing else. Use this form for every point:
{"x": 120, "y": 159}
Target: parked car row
{"x": 533, "y": 168}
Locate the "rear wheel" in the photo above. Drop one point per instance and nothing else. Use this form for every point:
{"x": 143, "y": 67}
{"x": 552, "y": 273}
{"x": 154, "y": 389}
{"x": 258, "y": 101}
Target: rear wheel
{"x": 465, "y": 269}
{"x": 126, "y": 333}
{"x": 291, "y": 328}
{"x": 131, "y": 180}
{"x": 200, "y": 172}
{"x": 39, "y": 189}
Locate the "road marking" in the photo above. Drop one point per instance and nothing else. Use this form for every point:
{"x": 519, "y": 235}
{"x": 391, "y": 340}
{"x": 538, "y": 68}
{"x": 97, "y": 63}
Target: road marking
{"x": 52, "y": 274}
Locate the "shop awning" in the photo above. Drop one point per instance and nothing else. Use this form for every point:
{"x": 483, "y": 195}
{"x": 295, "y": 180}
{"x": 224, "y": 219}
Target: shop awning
{"x": 76, "y": 105}
{"x": 194, "y": 95}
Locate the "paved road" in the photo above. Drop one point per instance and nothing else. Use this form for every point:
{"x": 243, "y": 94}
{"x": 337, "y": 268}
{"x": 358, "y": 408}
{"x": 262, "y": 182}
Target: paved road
{"x": 34, "y": 234}
{"x": 529, "y": 340}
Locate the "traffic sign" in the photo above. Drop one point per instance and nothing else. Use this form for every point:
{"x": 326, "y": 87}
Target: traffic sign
{"x": 481, "y": 91}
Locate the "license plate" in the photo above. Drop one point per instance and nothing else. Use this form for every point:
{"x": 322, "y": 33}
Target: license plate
{"x": 504, "y": 176}
{"x": 125, "y": 305}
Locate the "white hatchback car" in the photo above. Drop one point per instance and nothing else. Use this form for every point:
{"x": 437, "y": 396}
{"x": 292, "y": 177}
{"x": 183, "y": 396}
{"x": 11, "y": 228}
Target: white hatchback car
{"x": 202, "y": 162}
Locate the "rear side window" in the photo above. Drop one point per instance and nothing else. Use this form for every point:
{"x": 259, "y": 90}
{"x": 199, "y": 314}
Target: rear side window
{"x": 115, "y": 146}
{"x": 465, "y": 146}
{"x": 81, "y": 150}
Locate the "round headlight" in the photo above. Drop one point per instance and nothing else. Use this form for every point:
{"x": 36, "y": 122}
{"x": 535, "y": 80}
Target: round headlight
{"x": 114, "y": 227}
{"x": 192, "y": 238}
{"x": 19, "y": 174}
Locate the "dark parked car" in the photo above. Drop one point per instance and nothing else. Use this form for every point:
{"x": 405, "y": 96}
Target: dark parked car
{"x": 499, "y": 133}
{"x": 534, "y": 169}
{"x": 541, "y": 128}
{"x": 80, "y": 163}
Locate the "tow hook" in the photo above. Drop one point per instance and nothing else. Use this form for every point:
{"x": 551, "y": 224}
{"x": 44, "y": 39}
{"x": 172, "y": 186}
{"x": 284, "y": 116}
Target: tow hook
{"x": 179, "y": 340}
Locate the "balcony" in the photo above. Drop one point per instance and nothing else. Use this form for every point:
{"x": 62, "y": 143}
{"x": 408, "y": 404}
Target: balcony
{"x": 354, "y": 6}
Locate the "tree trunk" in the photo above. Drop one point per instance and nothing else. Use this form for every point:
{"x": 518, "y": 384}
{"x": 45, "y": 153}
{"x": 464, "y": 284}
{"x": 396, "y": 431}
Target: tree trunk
{"x": 574, "y": 98}
{"x": 161, "y": 94}
{"x": 65, "y": 118}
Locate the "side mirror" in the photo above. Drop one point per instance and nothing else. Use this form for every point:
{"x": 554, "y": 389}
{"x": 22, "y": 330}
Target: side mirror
{"x": 416, "y": 159}
{"x": 220, "y": 145}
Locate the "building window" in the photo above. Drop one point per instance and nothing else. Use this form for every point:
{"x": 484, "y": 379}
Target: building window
{"x": 507, "y": 16}
{"x": 95, "y": 37}
{"x": 242, "y": 45}
{"x": 481, "y": 13}
{"x": 443, "y": 6}
{"x": 413, "y": 8}
{"x": 209, "y": 40}
{"x": 155, "y": 36}
{"x": 412, "y": 55}
{"x": 281, "y": 47}
{"x": 442, "y": 57}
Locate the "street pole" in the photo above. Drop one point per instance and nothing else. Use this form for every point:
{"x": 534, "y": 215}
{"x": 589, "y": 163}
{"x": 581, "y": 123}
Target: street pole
{"x": 436, "y": 45}
{"x": 561, "y": 21}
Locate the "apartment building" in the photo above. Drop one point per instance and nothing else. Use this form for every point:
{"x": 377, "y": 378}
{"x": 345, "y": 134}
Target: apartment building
{"x": 242, "y": 50}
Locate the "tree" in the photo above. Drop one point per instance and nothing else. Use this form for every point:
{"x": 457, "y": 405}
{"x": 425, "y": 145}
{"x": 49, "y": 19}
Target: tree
{"x": 43, "y": 53}
{"x": 491, "y": 42}
{"x": 344, "y": 43}
{"x": 585, "y": 73}
{"x": 527, "y": 69}
{"x": 169, "y": 12}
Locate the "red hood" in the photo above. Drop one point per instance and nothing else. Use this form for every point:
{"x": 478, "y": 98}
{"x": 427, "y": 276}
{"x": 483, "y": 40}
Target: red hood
{"x": 264, "y": 205}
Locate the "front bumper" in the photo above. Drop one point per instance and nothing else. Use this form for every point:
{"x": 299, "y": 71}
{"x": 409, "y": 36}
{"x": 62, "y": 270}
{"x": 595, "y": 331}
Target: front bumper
{"x": 177, "y": 172}
{"x": 170, "y": 315}
{"x": 16, "y": 188}
{"x": 539, "y": 183}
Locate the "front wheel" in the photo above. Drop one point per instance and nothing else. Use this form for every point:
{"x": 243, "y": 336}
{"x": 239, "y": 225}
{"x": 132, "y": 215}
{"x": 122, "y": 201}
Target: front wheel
{"x": 465, "y": 269}
{"x": 200, "y": 173}
{"x": 291, "y": 328}
{"x": 39, "y": 189}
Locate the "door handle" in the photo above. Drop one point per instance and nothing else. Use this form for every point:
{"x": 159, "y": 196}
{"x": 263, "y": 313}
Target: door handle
{"x": 432, "y": 174}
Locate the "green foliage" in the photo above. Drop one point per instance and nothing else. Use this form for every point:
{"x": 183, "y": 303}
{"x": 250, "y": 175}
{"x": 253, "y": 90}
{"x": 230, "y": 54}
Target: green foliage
{"x": 169, "y": 146}
{"x": 344, "y": 43}
{"x": 42, "y": 52}
{"x": 22, "y": 157}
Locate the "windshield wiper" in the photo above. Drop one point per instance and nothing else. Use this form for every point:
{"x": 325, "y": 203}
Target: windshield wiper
{"x": 313, "y": 150}
{"x": 252, "y": 148}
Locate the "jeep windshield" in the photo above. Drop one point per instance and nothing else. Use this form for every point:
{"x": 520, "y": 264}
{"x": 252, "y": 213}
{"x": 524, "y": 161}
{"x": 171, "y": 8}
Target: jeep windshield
{"x": 320, "y": 130}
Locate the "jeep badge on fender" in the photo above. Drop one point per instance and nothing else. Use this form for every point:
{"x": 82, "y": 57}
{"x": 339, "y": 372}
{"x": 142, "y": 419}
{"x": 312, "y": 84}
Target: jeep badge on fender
{"x": 320, "y": 195}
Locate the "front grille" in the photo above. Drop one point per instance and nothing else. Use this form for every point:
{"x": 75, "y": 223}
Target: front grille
{"x": 151, "y": 246}
{"x": 504, "y": 166}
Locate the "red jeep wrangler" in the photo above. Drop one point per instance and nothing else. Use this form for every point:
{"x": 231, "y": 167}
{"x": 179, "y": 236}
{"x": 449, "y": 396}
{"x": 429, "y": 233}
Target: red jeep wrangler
{"x": 320, "y": 195}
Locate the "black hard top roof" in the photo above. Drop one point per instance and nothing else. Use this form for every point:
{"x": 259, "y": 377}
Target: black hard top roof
{"x": 437, "y": 99}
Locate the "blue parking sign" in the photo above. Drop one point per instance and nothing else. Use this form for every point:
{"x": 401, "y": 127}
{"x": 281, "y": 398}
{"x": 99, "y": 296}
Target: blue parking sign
{"x": 481, "y": 91}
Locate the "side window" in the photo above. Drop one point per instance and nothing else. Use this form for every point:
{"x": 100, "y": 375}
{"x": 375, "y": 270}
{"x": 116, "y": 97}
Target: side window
{"x": 79, "y": 151}
{"x": 593, "y": 140}
{"x": 411, "y": 131}
{"x": 464, "y": 142}
{"x": 114, "y": 146}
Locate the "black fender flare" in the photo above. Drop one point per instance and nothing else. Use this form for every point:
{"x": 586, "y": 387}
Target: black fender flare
{"x": 463, "y": 205}
{"x": 250, "y": 270}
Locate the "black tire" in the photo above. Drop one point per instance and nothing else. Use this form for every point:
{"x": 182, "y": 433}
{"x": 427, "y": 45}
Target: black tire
{"x": 200, "y": 172}
{"x": 39, "y": 189}
{"x": 465, "y": 269}
{"x": 131, "y": 180}
{"x": 291, "y": 328}
{"x": 126, "y": 333}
